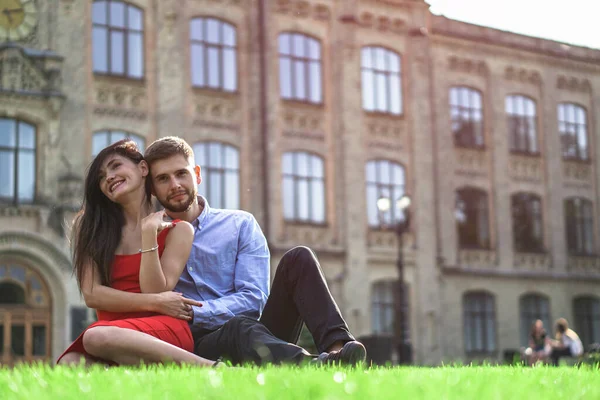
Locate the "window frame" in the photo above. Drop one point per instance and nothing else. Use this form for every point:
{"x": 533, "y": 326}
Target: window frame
{"x": 16, "y": 150}
{"x": 590, "y": 335}
{"x": 471, "y": 109}
{"x": 296, "y": 178}
{"x": 221, "y": 46}
{"x": 531, "y": 308}
{"x": 387, "y": 74}
{"x": 125, "y": 30}
{"x": 469, "y": 316}
{"x": 306, "y": 62}
{"x": 209, "y": 170}
{"x": 478, "y": 197}
{"x": 384, "y": 221}
{"x": 527, "y": 239}
{"x": 586, "y": 158}
{"x": 531, "y": 147}
{"x": 579, "y": 224}
{"x": 128, "y": 135}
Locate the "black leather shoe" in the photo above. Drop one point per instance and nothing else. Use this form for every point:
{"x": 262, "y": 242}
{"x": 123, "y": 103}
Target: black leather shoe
{"x": 352, "y": 353}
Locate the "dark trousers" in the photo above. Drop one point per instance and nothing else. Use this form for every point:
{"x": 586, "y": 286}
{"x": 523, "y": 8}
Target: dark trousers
{"x": 558, "y": 353}
{"x": 299, "y": 294}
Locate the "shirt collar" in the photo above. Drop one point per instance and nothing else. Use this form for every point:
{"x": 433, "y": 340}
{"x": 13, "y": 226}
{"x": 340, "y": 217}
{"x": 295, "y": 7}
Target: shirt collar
{"x": 199, "y": 222}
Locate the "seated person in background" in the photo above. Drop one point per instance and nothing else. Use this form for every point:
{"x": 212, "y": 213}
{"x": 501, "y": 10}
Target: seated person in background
{"x": 567, "y": 343}
{"x": 539, "y": 344}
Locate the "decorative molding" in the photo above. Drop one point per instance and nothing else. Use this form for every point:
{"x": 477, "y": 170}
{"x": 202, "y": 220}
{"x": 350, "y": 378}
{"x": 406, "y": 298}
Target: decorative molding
{"x": 385, "y": 146}
{"x": 577, "y": 172}
{"x": 471, "y": 162}
{"x": 32, "y": 244}
{"x": 378, "y": 238}
{"x": 385, "y": 129}
{"x": 121, "y": 113}
{"x": 587, "y": 265}
{"x": 477, "y": 259}
{"x": 309, "y": 235}
{"x": 573, "y": 84}
{"x": 468, "y": 66}
{"x": 532, "y": 261}
{"x": 121, "y": 94}
{"x": 67, "y": 6}
{"x": 382, "y": 22}
{"x": 303, "y": 122}
{"x": 303, "y": 9}
{"x": 525, "y": 168}
{"x": 522, "y": 75}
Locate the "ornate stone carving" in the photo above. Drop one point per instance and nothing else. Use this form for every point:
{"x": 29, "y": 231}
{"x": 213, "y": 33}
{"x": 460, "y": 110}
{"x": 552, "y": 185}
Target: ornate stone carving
{"x": 525, "y": 168}
{"x": 522, "y": 75}
{"x": 477, "y": 259}
{"x": 383, "y": 128}
{"x": 217, "y": 110}
{"x": 382, "y": 22}
{"x": 303, "y": 9}
{"x": 471, "y": 162}
{"x": 467, "y": 66}
{"x": 300, "y": 122}
{"x": 573, "y": 84}
{"x": 306, "y": 234}
{"x": 577, "y": 171}
{"x": 121, "y": 94}
{"x": 585, "y": 265}
{"x": 378, "y": 238}
{"x": 532, "y": 261}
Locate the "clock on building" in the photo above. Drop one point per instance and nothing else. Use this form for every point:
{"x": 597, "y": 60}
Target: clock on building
{"x": 17, "y": 19}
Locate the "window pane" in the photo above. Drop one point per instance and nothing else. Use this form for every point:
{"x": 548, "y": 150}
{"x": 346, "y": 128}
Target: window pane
{"x": 213, "y": 67}
{"x": 366, "y": 59}
{"x": 288, "y": 198}
{"x": 8, "y": 134}
{"x": 99, "y": 12}
{"x": 395, "y": 90}
{"x": 7, "y": 174}
{"x": 287, "y": 163}
{"x": 385, "y": 176}
{"x": 300, "y": 80}
{"x": 285, "y": 80}
{"x": 232, "y": 187}
{"x": 368, "y": 93}
{"x": 315, "y": 82}
{"x": 99, "y": 141}
{"x": 314, "y": 49}
{"x": 394, "y": 63}
{"x": 582, "y": 141}
{"x": 135, "y": 54}
{"x": 299, "y": 45}
{"x": 117, "y": 14}
{"x": 302, "y": 200}
{"x": 302, "y": 164}
{"x": 229, "y": 70}
{"x": 39, "y": 340}
{"x": 196, "y": 29}
{"x": 78, "y": 321}
{"x": 99, "y": 49}
{"x": 228, "y": 35}
{"x": 231, "y": 158}
{"x": 26, "y": 167}
{"x": 197, "y": 61}
{"x": 17, "y": 337}
{"x": 284, "y": 44}
{"x": 372, "y": 210}
{"x": 215, "y": 158}
{"x": 491, "y": 334}
{"x": 318, "y": 201}
{"x": 26, "y": 136}
{"x": 370, "y": 171}
{"x": 117, "y": 64}
{"x": 135, "y": 18}
{"x": 530, "y": 108}
{"x": 139, "y": 142}
{"x": 216, "y": 190}
{"x": 580, "y": 116}
{"x": 382, "y": 89}
{"x": 380, "y": 56}
{"x": 200, "y": 153}
{"x": 212, "y": 30}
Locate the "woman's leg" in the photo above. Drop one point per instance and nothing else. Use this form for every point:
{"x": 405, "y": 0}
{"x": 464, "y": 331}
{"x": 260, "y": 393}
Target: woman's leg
{"x": 73, "y": 359}
{"x": 129, "y": 347}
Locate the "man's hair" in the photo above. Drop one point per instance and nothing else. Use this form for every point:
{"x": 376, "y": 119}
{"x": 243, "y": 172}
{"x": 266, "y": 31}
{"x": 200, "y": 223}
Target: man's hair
{"x": 166, "y": 147}
{"x": 562, "y": 325}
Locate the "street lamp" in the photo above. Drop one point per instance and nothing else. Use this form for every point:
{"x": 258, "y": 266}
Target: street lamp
{"x": 401, "y": 225}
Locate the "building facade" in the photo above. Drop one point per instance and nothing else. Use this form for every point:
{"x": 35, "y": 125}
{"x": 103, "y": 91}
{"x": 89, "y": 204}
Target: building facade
{"x": 308, "y": 114}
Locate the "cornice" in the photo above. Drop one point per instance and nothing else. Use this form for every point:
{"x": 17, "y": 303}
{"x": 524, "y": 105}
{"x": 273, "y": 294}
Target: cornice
{"x": 33, "y": 244}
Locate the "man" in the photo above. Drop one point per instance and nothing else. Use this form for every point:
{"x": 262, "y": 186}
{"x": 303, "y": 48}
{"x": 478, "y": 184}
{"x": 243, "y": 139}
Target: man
{"x": 567, "y": 344}
{"x": 228, "y": 274}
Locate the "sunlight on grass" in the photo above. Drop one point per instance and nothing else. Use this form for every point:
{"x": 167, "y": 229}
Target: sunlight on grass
{"x": 171, "y": 382}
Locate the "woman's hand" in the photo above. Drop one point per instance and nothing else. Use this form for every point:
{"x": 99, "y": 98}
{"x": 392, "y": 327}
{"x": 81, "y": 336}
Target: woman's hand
{"x": 155, "y": 223}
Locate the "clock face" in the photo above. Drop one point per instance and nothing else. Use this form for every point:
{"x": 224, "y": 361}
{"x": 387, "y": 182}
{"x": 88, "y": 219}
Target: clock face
{"x": 17, "y": 19}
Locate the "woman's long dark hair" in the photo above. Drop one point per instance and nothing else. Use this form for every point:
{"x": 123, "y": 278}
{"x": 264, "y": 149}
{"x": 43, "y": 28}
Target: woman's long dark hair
{"x": 98, "y": 226}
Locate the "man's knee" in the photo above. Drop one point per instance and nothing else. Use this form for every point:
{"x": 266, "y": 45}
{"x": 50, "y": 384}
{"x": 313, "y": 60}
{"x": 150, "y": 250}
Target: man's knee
{"x": 239, "y": 322}
{"x": 301, "y": 255}
{"x": 99, "y": 338}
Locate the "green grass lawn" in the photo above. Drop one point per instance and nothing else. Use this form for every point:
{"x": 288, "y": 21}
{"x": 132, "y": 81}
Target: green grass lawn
{"x": 170, "y": 382}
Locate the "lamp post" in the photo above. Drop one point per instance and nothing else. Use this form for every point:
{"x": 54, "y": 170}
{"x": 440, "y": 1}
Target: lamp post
{"x": 401, "y": 224}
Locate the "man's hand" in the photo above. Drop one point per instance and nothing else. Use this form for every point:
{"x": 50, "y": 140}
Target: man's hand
{"x": 175, "y": 305}
{"x": 155, "y": 223}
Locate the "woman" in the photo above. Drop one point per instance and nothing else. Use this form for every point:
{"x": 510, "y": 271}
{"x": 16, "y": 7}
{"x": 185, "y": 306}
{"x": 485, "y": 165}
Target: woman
{"x": 539, "y": 343}
{"x": 120, "y": 245}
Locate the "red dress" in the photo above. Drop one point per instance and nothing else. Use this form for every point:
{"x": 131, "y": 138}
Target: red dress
{"x": 126, "y": 277}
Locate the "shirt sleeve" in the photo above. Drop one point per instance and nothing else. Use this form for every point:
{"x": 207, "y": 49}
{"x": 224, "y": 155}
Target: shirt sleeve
{"x": 251, "y": 281}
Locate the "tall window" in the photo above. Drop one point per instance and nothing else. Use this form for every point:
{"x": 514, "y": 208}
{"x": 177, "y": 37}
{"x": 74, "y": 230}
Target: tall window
{"x": 303, "y": 187}
{"x": 383, "y": 308}
{"x": 213, "y": 54}
{"x": 572, "y": 127}
{"x": 300, "y": 76}
{"x": 479, "y": 322}
{"x": 534, "y": 307}
{"x": 103, "y": 139}
{"x": 472, "y": 217}
{"x": 522, "y": 125}
{"x": 220, "y": 172}
{"x": 579, "y": 223}
{"x": 587, "y": 319}
{"x": 385, "y": 180}
{"x": 17, "y": 161}
{"x": 466, "y": 112}
{"x": 118, "y": 39}
{"x": 381, "y": 80}
{"x": 528, "y": 235}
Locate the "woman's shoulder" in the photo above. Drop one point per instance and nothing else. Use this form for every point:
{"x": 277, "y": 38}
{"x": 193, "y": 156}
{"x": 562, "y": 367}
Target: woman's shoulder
{"x": 180, "y": 228}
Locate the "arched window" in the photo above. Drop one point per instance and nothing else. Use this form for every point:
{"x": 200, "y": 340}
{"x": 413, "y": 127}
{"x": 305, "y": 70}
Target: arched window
{"x": 303, "y": 187}
{"x": 300, "y": 70}
{"x": 522, "y": 125}
{"x": 103, "y": 139}
{"x": 213, "y": 54}
{"x": 381, "y": 80}
{"x": 25, "y": 318}
{"x": 466, "y": 112}
{"x": 479, "y": 322}
{"x": 586, "y": 310}
{"x": 472, "y": 217}
{"x": 528, "y": 232}
{"x": 118, "y": 38}
{"x": 572, "y": 128}
{"x": 383, "y": 309}
{"x": 532, "y": 308}
{"x": 579, "y": 224}
{"x": 220, "y": 165}
{"x": 17, "y": 161}
{"x": 385, "y": 180}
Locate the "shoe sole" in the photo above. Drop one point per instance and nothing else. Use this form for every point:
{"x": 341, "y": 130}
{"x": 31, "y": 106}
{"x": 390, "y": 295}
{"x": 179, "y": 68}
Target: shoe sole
{"x": 353, "y": 353}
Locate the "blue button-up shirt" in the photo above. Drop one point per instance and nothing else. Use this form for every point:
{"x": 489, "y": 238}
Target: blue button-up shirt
{"x": 228, "y": 269}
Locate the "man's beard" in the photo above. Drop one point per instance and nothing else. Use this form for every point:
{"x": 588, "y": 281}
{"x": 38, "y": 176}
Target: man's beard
{"x": 182, "y": 207}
